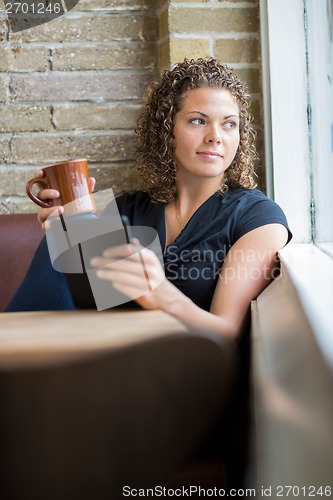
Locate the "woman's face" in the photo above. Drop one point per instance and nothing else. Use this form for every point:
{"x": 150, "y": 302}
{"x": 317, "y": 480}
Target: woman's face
{"x": 206, "y": 133}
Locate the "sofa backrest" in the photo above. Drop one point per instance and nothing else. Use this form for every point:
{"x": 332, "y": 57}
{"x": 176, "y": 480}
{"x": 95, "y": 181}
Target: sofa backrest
{"x": 20, "y": 235}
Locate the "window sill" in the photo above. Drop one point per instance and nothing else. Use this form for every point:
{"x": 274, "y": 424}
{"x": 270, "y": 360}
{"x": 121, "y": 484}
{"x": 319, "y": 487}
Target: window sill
{"x": 326, "y": 248}
{"x": 310, "y": 270}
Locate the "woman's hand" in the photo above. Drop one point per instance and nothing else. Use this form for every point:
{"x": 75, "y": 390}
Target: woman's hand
{"x": 49, "y": 195}
{"x": 248, "y": 269}
{"x": 46, "y": 195}
{"x": 136, "y": 272}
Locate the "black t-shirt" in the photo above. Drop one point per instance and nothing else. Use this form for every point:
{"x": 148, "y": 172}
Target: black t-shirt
{"x": 192, "y": 262}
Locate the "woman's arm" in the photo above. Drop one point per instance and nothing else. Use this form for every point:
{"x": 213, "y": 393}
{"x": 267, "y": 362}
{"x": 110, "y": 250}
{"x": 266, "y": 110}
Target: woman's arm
{"x": 249, "y": 267}
{"x": 247, "y": 270}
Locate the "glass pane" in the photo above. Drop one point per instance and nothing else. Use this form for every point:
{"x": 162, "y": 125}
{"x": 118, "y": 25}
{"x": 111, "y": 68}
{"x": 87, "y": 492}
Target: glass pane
{"x": 319, "y": 23}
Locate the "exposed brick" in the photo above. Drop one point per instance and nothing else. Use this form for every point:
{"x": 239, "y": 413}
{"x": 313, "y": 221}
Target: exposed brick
{"x": 5, "y": 206}
{"x": 164, "y": 24}
{"x": 76, "y": 28}
{"x": 78, "y": 86}
{"x": 120, "y": 176}
{"x": 3, "y": 89}
{"x": 247, "y": 1}
{"x": 3, "y": 29}
{"x": 112, "y": 56}
{"x": 161, "y": 4}
{"x": 51, "y": 148}
{"x": 192, "y": 1}
{"x": 164, "y": 54}
{"x": 260, "y": 170}
{"x": 251, "y": 77}
{"x": 3, "y": 150}
{"x": 14, "y": 180}
{"x": 127, "y": 5}
{"x": 25, "y": 119}
{"x": 256, "y": 111}
{"x": 95, "y": 116}
{"x": 201, "y": 20}
{"x": 104, "y": 54}
{"x": 190, "y": 48}
{"x": 21, "y": 205}
{"x": 237, "y": 50}
{"x": 21, "y": 58}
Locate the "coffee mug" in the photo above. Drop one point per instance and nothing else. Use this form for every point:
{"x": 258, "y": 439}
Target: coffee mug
{"x": 71, "y": 179}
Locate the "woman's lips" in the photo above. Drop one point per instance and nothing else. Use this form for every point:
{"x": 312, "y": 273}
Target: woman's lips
{"x": 209, "y": 154}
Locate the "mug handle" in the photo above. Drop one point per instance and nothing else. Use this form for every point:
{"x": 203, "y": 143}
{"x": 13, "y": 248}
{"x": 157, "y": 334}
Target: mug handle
{"x": 39, "y": 180}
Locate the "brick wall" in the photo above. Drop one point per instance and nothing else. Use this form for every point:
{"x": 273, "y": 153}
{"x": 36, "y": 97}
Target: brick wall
{"x": 73, "y": 87}
{"x": 228, "y": 30}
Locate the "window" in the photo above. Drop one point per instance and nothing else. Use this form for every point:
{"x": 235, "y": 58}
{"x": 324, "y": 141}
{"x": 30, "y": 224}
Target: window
{"x": 297, "y": 49}
{"x": 297, "y": 62}
{"x": 319, "y": 32}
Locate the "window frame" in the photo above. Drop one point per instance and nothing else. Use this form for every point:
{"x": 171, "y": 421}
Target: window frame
{"x": 291, "y": 143}
{"x": 285, "y": 99}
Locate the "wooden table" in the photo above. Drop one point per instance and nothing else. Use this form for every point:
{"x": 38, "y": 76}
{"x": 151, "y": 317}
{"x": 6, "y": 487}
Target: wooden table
{"x": 93, "y": 401}
{"x": 33, "y": 337}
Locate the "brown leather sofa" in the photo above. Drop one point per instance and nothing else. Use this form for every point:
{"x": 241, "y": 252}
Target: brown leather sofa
{"x": 19, "y": 238}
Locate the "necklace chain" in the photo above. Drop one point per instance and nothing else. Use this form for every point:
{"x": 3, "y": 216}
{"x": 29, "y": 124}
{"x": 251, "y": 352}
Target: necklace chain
{"x": 182, "y": 225}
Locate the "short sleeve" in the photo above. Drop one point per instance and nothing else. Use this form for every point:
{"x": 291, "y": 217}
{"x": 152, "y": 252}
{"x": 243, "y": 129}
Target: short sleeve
{"x": 258, "y": 210}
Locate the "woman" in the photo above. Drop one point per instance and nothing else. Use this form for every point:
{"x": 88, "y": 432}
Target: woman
{"x": 220, "y": 235}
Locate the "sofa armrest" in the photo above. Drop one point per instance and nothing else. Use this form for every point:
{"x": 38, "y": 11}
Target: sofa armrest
{"x": 20, "y": 235}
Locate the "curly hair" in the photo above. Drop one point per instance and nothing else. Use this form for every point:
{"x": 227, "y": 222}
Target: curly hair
{"x": 155, "y": 126}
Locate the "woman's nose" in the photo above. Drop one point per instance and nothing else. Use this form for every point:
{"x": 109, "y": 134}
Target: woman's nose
{"x": 213, "y": 136}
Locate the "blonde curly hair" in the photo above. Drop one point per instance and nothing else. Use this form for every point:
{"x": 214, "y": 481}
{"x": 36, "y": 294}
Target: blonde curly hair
{"x": 155, "y": 126}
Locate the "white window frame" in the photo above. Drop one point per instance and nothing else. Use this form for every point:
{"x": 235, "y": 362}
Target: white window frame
{"x": 292, "y": 319}
{"x": 288, "y": 92}
{"x": 285, "y": 112}
{"x": 319, "y": 24}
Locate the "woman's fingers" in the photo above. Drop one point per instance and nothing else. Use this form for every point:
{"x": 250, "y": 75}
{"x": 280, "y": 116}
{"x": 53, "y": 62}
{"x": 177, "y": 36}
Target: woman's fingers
{"x": 133, "y": 250}
{"x": 39, "y": 173}
{"x": 48, "y": 194}
{"x": 134, "y": 284}
{"x": 127, "y": 276}
{"x": 45, "y": 194}
{"x": 127, "y": 257}
{"x": 120, "y": 251}
{"x": 112, "y": 254}
{"x": 47, "y": 213}
{"x": 127, "y": 264}
{"x": 130, "y": 266}
{"x": 92, "y": 183}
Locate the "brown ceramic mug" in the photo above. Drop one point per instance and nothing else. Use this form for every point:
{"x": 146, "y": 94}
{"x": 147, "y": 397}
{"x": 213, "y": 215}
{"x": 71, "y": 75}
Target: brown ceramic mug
{"x": 71, "y": 179}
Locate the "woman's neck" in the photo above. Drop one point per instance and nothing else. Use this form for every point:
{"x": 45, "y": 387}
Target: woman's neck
{"x": 190, "y": 197}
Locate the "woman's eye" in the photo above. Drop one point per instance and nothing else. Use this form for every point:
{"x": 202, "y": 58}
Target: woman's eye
{"x": 197, "y": 121}
{"x": 230, "y": 124}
